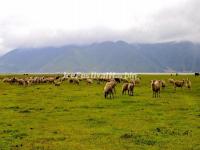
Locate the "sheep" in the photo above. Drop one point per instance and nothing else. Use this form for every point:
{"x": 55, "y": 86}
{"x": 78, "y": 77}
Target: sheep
{"x": 170, "y": 80}
{"x": 39, "y": 80}
{"x": 188, "y": 84}
{"x": 57, "y": 77}
{"x": 13, "y": 80}
{"x": 57, "y": 83}
{"x": 76, "y": 81}
{"x": 16, "y": 80}
{"x": 111, "y": 80}
{"x": 155, "y": 85}
{"x": 108, "y": 90}
{"x": 70, "y": 80}
{"x": 21, "y": 82}
{"x": 132, "y": 81}
{"x": 113, "y": 83}
{"x": 118, "y": 80}
{"x": 10, "y": 80}
{"x": 137, "y": 81}
{"x": 27, "y": 82}
{"x": 124, "y": 80}
{"x": 124, "y": 88}
{"x": 7, "y": 80}
{"x": 31, "y": 81}
{"x": 178, "y": 83}
{"x": 89, "y": 81}
{"x": 131, "y": 88}
{"x": 163, "y": 84}
{"x": 50, "y": 79}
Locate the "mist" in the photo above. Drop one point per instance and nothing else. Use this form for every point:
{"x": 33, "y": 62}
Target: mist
{"x": 57, "y": 23}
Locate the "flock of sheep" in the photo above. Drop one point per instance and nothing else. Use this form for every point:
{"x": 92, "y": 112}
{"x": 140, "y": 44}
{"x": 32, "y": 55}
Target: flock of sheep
{"x": 156, "y": 86}
{"x": 109, "y": 88}
{"x": 30, "y": 80}
{"x": 110, "y": 83}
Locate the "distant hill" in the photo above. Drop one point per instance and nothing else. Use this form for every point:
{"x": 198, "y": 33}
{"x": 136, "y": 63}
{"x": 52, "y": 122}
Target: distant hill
{"x": 105, "y": 57}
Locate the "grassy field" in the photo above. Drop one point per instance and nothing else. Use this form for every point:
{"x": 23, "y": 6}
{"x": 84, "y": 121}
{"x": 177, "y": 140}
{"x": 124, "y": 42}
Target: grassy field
{"x": 71, "y": 117}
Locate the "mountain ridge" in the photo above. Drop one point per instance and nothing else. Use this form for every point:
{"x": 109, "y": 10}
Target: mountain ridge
{"x": 107, "y": 56}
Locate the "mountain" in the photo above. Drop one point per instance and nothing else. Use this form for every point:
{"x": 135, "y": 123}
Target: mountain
{"x": 105, "y": 57}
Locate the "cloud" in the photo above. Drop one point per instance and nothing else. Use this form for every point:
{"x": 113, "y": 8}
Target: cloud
{"x": 33, "y": 25}
{"x": 178, "y": 23}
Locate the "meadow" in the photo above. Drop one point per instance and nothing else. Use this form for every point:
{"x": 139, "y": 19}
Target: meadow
{"x": 77, "y": 117}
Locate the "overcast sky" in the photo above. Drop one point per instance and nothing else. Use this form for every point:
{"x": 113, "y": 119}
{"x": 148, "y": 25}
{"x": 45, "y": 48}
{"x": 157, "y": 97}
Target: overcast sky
{"x": 37, "y": 23}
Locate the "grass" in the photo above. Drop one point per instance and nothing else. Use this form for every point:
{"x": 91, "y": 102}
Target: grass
{"x": 75, "y": 117}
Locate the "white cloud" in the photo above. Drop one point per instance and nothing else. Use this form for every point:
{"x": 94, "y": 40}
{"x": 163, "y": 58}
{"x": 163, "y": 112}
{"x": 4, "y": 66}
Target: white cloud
{"x": 35, "y": 23}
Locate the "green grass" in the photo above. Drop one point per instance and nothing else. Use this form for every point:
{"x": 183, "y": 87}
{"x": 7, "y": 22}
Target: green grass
{"x": 72, "y": 117}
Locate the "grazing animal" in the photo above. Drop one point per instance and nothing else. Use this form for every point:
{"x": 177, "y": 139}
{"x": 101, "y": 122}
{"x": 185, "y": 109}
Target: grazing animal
{"x": 71, "y": 80}
{"x": 57, "y": 83}
{"x": 124, "y": 88}
{"x": 188, "y": 84}
{"x": 89, "y": 81}
{"x": 132, "y": 81}
{"x": 155, "y": 85}
{"x": 108, "y": 90}
{"x": 13, "y": 80}
{"x": 50, "y": 79}
{"x": 76, "y": 81}
{"x": 124, "y": 80}
{"x": 112, "y": 83}
{"x": 21, "y": 82}
{"x": 7, "y": 80}
{"x": 163, "y": 84}
{"x": 27, "y": 82}
{"x": 137, "y": 81}
{"x": 62, "y": 79}
{"x": 178, "y": 83}
{"x": 130, "y": 88}
{"x": 57, "y": 77}
{"x": 10, "y": 80}
{"x": 170, "y": 80}
{"x": 196, "y": 74}
{"x": 118, "y": 80}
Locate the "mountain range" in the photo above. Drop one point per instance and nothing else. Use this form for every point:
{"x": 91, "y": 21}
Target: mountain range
{"x": 106, "y": 56}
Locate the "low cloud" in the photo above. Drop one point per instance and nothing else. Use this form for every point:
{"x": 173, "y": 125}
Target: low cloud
{"x": 180, "y": 22}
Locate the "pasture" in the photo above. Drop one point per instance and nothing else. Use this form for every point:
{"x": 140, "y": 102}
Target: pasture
{"x": 77, "y": 117}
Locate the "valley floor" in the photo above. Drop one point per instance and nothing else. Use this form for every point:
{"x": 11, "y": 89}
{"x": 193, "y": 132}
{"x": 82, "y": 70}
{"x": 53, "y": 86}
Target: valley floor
{"x": 77, "y": 117}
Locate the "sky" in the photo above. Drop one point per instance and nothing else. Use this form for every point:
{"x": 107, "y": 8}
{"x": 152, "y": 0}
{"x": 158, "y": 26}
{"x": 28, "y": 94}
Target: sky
{"x": 40, "y": 23}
